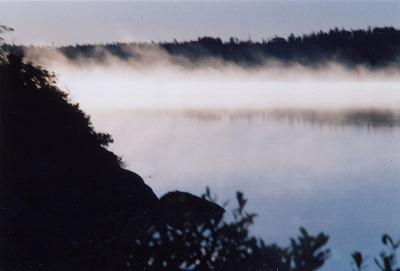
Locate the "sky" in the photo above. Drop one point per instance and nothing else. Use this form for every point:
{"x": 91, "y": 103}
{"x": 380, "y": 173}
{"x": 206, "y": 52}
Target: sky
{"x": 351, "y": 162}
{"x": 62, "y": 23}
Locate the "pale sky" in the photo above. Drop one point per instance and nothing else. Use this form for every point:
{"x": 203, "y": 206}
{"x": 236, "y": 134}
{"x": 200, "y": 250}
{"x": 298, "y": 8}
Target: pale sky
{"x": 63, "y": 23}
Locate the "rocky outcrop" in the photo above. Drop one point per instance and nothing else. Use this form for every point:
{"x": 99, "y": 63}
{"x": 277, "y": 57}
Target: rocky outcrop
{"x": 66, "y": 202}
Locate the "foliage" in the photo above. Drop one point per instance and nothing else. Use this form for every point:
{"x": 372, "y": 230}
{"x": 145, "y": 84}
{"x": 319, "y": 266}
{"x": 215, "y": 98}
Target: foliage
{"x": 66, "y": 203}
{"x": 65, "y": 200}
{"x": 4, "y": 29}
{"x": 387, "y": 260}
{"x": 358, "y": 261}
{"x": 373, "y": 47}
{"x": 218, "y": 243}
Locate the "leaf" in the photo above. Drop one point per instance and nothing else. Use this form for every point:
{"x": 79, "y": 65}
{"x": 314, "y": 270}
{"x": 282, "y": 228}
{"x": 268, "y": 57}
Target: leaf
{"x": 386, "y": 238}
{"x": 357, "y": 258}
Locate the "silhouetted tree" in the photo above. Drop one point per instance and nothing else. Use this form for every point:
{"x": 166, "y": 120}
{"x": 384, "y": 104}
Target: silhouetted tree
{"x": 214, "y": 242}
{"x": 64, "y": 197}
{"x": 358, "y": 261}
{"x": 387, "y": 260}
{"x": 373, "y": 47}
{"x": 67, "y": 204}
{"x": 3, "y": 29}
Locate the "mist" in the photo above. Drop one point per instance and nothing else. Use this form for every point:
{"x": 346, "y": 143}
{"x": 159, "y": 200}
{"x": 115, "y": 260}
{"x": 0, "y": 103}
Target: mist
{"x": 302, "y": 129}
{"x": 154, "y": 80}
{"x": 306, "y": 139}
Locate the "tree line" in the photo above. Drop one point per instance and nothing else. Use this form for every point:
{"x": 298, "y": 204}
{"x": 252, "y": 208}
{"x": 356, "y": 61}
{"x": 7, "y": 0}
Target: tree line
{"x": 67, "y": 203}
{"x": 376, "y": 47}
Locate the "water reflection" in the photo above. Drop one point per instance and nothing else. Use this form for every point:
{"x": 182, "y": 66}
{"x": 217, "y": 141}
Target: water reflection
{"x": 366, "y": 117}
{"x": 328, "y": 171}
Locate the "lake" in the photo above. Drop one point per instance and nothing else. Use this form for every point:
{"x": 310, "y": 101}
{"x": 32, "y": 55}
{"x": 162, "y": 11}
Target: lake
{"x": 320, "y": 154}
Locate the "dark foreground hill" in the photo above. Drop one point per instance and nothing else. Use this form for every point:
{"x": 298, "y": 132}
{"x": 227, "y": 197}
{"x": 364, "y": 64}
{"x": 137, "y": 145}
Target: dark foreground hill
{"x": 65, "y": 201}
{"x": 67, "y": 204}
{"x": 62, "y": 192}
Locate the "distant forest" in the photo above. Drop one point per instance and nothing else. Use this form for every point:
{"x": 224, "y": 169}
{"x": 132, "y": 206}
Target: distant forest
{"x": 377, "y": 47}
{"x": 68, "y": 204}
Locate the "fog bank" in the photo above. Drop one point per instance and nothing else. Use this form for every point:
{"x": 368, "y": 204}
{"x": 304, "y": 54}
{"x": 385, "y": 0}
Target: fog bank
{"x": 294, "y": 139}
{"x": 157, "y": 81}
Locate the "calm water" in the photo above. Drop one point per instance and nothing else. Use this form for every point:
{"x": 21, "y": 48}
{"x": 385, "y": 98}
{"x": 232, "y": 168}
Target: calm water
{"x": 340, "y": 179}
{"x": 331, "y": 169}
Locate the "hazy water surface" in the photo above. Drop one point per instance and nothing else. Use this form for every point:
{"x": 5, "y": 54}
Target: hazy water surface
{"x": 343, "y": 180}
{"x": 320, "y": 153}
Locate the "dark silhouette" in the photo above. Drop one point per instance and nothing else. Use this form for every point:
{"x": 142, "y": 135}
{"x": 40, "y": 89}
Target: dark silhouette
{"x": 387, "y": 260}
{"x": 3, "y": 29}
{"x": 63, "y": 192}
{"x": 215, "y": 243}
{"x": 66, "y": 203}
{"x": 65, "y": 199}
{"x": 377, "y": 47}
